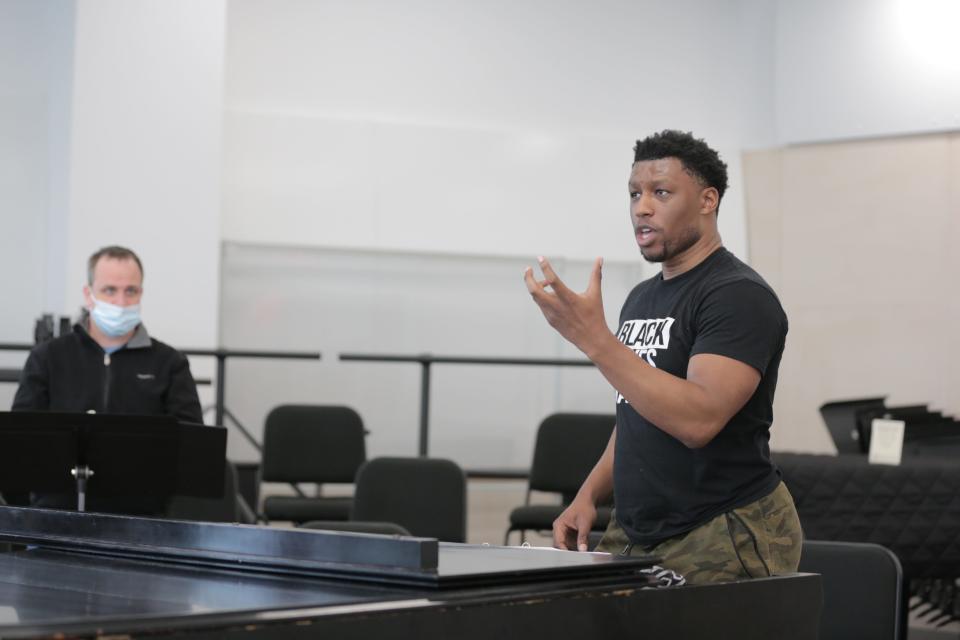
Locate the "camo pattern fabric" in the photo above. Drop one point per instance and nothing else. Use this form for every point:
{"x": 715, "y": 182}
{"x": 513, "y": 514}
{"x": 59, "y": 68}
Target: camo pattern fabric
{"x": 757, "y": 540}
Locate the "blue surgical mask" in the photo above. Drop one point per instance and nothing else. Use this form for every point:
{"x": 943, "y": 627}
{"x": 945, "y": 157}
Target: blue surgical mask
{"x": 114, "y": 320}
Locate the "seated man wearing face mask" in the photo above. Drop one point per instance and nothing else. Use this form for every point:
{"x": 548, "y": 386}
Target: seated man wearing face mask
{"x": 109, "y": 364}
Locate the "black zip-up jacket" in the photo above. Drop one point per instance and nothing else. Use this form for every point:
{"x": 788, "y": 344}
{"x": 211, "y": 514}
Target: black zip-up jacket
{"x": 73, "y": 373}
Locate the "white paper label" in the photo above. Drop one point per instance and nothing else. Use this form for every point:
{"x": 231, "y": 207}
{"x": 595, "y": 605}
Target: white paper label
{"x": 886, "y": 441}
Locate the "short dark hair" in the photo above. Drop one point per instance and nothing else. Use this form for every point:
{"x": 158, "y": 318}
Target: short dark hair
{"x": 698, "y": 159}
{"x": 115, "y": 252}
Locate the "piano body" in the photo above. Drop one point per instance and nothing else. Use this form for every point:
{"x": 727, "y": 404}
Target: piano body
{"x": 73, "y": 574}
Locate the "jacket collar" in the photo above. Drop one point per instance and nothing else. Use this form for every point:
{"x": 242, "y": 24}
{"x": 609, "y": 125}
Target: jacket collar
{"x": 139, "y": 340}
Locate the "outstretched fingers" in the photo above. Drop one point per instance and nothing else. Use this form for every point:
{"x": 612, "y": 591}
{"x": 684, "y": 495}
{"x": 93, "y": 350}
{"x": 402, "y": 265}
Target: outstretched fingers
{"x": 552, "y": 279}
{"x": 596, "y": 275}
{"x": 533, "y": 286}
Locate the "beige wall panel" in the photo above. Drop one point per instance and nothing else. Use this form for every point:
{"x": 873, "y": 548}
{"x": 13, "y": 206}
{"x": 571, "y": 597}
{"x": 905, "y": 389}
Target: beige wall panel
{"x": 951, "y": 294}
{"x": 867, "y": 273}
{"x": 858, "y": 218}
{"x": 762, "y": 201}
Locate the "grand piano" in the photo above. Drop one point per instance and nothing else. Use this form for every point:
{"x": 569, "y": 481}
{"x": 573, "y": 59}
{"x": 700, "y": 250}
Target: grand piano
{"x": 70, "y": 574}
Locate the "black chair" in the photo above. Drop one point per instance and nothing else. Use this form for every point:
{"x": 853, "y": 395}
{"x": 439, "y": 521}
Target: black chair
{"x": 862, "y": 589}
{"x": 425, "y": 496}
{"x": 357, "y": 526}
{"x": 311, "y": 444}
{"x": 567, "y": 448}
{"x": 230, "y": 508}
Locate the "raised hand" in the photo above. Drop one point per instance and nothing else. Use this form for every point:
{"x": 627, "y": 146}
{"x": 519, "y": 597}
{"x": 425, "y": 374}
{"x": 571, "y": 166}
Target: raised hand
{"x": 578, "y": 317}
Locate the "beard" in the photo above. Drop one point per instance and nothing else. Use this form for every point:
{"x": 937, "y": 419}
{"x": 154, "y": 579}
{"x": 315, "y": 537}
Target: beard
{"x": 672, "y": 247}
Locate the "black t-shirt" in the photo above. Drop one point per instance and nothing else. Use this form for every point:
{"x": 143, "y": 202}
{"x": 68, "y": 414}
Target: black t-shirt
{"x": 722, "y": 307}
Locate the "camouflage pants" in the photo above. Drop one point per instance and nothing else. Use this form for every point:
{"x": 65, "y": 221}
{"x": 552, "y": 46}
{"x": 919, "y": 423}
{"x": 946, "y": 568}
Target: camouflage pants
{"x": 760, "y": 539}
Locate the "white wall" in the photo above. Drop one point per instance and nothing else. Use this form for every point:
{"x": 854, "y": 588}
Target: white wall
{"x": 35, "y": 65}
{"x": 495, "y": 128}
{"x": 337, "y": 301}
{"x": 35, "y": 68}
{"x": 145, "y": 154}
{"x": 866, "y": 68}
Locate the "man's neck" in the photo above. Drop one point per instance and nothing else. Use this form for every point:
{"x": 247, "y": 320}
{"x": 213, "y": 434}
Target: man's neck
{"x": 692, "y": 256}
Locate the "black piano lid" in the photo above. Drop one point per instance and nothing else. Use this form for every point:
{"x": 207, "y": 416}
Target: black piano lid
{"x": 421, "y": 562}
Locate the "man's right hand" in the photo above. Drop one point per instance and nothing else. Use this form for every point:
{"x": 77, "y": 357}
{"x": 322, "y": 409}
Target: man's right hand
{"x": 572, "y": 528}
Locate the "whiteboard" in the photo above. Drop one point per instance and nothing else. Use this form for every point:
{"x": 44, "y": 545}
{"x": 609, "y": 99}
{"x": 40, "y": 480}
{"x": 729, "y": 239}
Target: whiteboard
{"x": 361, "y": 301}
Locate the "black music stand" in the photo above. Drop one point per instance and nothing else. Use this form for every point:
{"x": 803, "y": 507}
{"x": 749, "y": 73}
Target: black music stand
{"x": 140, "y": 459}
{"x": 840, "y": 416}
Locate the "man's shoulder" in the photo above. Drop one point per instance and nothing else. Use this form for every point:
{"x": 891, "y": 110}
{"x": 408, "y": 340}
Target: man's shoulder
{"x": 67, "y": 342}
{"x": 730, "y": 270}
{"x": 143, "y": 341}
{"x": 735, "y": 290}
{"x": 160, "y": 350}
{"x": 643, "y": 286}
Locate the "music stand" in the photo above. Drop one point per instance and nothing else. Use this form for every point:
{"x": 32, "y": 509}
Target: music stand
{"x": 110, "y": 456}
{"x": 840, "y": 416}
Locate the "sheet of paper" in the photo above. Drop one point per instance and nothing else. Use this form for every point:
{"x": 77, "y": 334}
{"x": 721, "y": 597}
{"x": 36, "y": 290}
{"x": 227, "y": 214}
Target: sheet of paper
{"x": 886, "y": 441}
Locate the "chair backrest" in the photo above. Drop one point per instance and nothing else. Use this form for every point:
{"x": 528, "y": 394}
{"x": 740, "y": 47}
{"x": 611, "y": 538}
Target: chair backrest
{"x": 568, "y": 446}
{"x": 357, "y": 526}
{"x": 312, "y": 443}
{"x": 425, "y": 496}
{"x": 225, "y": 509}
{"x": 862, "y": 589}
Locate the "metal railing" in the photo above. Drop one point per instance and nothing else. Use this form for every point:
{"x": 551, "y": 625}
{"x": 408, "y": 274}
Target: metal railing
{"x": 219, "y": 380}
{"x": 426, "y": 361}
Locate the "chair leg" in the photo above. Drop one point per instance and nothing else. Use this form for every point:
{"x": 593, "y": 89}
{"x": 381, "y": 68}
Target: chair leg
{"x": 506, "y": 537}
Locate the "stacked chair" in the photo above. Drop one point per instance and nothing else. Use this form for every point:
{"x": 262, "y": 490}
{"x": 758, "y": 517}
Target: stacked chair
{"x": 927, "y": 433}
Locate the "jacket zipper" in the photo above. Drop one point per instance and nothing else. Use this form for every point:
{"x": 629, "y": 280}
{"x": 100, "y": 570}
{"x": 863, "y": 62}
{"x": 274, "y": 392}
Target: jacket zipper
{"x": 106, "y": 381}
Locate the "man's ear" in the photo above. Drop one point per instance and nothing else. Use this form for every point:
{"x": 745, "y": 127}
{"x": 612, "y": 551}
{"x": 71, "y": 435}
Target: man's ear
{"x": 87, "y": 296}
{"x": 709, "y": 200}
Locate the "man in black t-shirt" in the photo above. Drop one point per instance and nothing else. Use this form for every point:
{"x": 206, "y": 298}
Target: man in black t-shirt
{"x": 694, "y": 363}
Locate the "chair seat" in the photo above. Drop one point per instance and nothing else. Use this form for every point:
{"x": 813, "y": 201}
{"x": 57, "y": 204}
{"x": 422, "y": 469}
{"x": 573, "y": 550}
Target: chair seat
{"x": 540, "y": 517}
{"x": 297, "y": 509}
{"x": 357, "y": 526}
